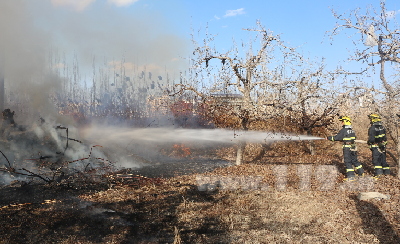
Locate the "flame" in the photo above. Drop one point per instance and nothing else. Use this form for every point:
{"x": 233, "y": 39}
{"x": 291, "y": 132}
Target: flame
{"x": 180, "y": 150}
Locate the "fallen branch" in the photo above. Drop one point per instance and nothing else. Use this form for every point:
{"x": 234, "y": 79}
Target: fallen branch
{"x": 8, "y": 161}
{"x": 13, "y": 171}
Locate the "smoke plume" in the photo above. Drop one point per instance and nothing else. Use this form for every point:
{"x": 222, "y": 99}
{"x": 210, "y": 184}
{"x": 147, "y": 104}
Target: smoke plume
{"x": 40, "y": 36}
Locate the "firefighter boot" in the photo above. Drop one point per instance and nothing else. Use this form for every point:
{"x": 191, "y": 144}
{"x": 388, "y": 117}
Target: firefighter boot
{"x": 360, "y": 171}
{"x": 347, "y": 179}
{"x": 386, "y": 170}
{"x": 378, "y": 170}
{"x": 377, "y": 177}
{"x": 350, "y": 176}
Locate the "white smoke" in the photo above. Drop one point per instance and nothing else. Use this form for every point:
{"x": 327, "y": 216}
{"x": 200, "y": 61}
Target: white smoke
{"x": 41, "y": 36}
{"x": 81, "y": 5}
{"x": 77, "y": 5}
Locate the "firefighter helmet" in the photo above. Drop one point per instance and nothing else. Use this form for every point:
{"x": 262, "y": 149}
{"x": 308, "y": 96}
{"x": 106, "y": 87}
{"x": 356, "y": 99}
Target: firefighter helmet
{"x": 374, "y": 118}
{"x": 345, "y": 119}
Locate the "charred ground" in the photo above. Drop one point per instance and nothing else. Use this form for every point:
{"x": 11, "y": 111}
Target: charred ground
{"x": 170, "y": 208}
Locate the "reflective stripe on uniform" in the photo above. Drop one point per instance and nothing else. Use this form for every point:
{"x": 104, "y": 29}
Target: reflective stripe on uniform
{"x": 359, "y": 167}
{"x": 349, "y": 170}
{"x": 377, "y": 167}
{"x": 380, "y": 144}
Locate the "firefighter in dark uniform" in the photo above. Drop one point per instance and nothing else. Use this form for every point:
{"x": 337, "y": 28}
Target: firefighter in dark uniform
{"x": 348, "y": 136}
{"x": 377, "y": 143}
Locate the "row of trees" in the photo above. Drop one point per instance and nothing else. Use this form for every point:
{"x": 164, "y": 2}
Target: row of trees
{"x": 278, "y": 83}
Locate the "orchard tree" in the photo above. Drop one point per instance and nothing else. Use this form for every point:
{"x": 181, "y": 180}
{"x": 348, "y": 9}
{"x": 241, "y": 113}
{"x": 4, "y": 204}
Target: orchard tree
{"x": 254, "y": 75}
{"x": 313, "y": 99}
{"x": 376, "y": 36}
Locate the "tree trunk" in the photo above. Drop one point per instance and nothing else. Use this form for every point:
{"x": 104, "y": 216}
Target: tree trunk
{"x": 311, "y": 147}
{"x": 398, "y": 159}
{"x": 242, "y": 144}
{"x": 239, "y": 152}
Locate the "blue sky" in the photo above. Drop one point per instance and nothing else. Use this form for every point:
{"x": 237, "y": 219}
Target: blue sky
{"x": 156, "y": 33}
{"x": 302, "y": 23}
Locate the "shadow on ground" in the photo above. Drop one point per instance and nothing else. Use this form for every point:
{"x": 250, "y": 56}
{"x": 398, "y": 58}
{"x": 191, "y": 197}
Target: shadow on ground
{"x": 374, "y": 222}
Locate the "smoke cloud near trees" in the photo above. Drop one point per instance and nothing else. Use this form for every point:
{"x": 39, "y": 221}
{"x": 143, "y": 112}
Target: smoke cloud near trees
{"x": 39, "y": 37}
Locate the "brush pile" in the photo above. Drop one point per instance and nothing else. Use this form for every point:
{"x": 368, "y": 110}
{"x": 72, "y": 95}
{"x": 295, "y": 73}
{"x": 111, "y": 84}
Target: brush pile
{"x": 46, "y": 153}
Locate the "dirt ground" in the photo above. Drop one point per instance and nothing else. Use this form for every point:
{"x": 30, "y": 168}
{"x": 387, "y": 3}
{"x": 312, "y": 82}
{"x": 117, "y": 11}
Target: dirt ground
{"x": 285, "y": 197}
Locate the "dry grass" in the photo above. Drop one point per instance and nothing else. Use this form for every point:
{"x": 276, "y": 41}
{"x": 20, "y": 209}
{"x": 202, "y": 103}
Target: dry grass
{"x": 287, "y": 202}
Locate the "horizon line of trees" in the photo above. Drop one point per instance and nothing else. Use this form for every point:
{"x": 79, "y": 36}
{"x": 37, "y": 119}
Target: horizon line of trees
{"x": 275, "y": 81}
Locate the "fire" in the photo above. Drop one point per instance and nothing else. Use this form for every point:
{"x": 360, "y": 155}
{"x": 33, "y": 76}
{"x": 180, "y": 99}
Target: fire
{"x": 181, "y": 151}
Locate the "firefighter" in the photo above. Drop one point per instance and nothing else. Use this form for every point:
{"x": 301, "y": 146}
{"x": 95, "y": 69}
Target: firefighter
{"x": 348, "y": 136}
{"x": 377, "y": 143}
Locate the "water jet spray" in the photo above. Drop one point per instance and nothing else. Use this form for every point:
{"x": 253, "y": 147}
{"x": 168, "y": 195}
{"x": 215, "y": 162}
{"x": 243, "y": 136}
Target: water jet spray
{"x": 174, "y": 135}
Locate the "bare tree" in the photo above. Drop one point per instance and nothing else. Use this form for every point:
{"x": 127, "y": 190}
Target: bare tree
{"x": 313, "y": 101}
{"x": 376, "y": 37}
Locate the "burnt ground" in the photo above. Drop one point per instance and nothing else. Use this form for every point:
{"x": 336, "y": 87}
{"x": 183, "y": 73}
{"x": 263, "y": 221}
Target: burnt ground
{"x": 165, "y": 203}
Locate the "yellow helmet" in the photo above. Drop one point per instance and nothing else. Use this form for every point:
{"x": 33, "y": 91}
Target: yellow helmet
{"x": 345, "y": 119}
{"x": 374, "y": 118}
